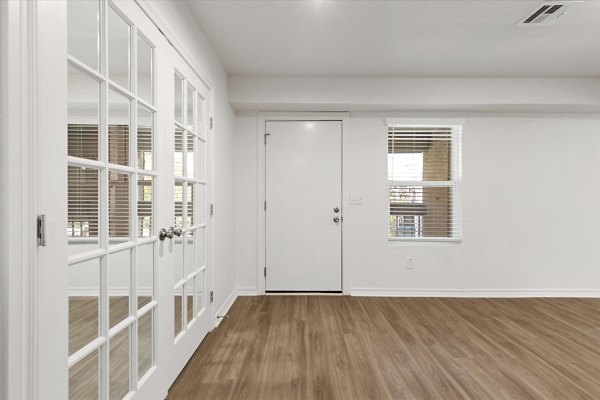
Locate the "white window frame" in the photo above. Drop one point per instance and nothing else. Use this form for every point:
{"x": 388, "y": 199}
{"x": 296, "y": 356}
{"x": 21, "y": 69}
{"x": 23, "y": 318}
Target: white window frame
{"x": 455, "y": 182}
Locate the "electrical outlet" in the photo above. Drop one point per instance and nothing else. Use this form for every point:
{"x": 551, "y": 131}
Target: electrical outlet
{"x": 410, "y": 263}
{"x": 357, "y": 199}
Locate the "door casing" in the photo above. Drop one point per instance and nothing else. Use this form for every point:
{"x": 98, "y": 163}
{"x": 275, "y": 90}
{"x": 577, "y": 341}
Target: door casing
{"x": 344, "y": 117}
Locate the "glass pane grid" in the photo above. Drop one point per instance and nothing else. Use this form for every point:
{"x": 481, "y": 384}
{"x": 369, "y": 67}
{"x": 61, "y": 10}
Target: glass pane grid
{"x": 108, "y": 207}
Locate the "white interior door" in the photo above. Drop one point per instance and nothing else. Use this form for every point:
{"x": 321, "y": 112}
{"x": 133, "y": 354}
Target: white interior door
{"x": 303, "y": 205}
{"x": 188, "y": 231}
{"x": 115, "y": 111}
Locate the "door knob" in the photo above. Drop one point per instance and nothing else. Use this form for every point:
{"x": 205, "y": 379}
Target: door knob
{"x": 336, "y": 210}
{"x": 336, "y": 219}
{"x": 163, "y": 234}
{"x": 177, "y": 231}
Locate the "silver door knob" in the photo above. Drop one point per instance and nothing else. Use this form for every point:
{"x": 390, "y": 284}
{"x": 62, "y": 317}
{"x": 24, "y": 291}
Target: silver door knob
{"x": 163, "y": 234}
{"x": 336, "y": 210}
{"x": 177, "y": 231}
{"x": 336, "y": 219}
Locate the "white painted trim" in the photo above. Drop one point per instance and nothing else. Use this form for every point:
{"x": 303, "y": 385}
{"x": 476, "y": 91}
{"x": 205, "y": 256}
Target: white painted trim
{"x": 246, "y": 292}
{"x": 482, "y": 293}
{"x": 18, "y": 198}
{"x": 263, "y": 117}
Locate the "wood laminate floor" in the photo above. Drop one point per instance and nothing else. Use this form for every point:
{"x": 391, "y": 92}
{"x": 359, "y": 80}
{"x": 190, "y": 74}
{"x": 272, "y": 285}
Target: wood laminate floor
{"x": 324, "y": 347}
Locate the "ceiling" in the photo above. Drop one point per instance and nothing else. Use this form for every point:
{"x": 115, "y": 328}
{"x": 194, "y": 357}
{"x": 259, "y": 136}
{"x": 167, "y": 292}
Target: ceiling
{"x": 424, "y": 38}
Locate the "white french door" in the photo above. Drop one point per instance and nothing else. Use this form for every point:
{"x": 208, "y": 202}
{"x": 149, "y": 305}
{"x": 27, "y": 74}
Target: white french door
{"x": 126, "y": 301}
{"x": 188, "y": 229}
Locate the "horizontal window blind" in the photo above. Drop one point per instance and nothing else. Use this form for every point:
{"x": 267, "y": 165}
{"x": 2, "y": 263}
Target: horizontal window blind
{"x": 82, "y": 198}
{"x": 83, "y": 186}
{"x": 423, "y": 180}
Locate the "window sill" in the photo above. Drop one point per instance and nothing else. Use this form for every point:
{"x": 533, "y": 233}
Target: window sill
{"x": 402, "y": 242}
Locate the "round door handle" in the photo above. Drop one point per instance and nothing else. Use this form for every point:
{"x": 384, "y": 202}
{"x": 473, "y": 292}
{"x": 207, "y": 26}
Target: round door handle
{"x": 171, "y": 232}
{"x": 178, "y": 232}
{"x": 164, "y": 233}
{"x": 336, "y": 219}
{"x": 336, "y": 210}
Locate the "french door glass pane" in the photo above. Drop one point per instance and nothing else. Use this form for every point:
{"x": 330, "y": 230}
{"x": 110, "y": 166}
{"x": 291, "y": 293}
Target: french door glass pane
{"x": 83, "y": 115}
{"x": 145, "y": 70}
{"x": 200, "y": 291}
{"x": 189, "y": 298}
{"x": 179, "y": 271}
{"x": 191, "y": 140}
{"x": 190, "y": 204}
{"x": 200, "y": 146}
{"x": 83, "y": 206}
{"x": 178, "y": 204}
{"x": 178, "y": 99}
{"x": 200, "y": 116}
{"x": 200, "y": 240}
{"x": 145, "y": 274}
{"x": 83, "y": 19}
{"x": 178, "y": 304}
{"x": 118, "y": 128}
{"x": 83, "y": 378}
{"x": 178, "y": 160}
{"x": 200, "y": 201}
{"x": 189, "y": 121}
{"x": 119, "y": 286}
{"x": 145, "y": 334}
{"x": 119, "y": 364}
{"x": 144, "y": 201}
{"x": 118, "y": 206}
{"x": 119, "y": 33}
{"x": 84, "y": 303}
{"x": 190, "y": 253}
{"x": 144, "y": 138}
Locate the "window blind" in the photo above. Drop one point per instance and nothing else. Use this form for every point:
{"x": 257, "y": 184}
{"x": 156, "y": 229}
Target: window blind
{"x": 83, "y": 183}
{"x": 423, "y": 180}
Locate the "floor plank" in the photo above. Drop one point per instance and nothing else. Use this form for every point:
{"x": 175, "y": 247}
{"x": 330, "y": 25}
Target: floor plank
{"x": 338, "y": 347}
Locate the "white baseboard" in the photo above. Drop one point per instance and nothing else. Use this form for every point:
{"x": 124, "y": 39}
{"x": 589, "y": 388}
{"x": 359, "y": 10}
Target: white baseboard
{"x": 489, "y": 293}
{"x": 247, "y": 292}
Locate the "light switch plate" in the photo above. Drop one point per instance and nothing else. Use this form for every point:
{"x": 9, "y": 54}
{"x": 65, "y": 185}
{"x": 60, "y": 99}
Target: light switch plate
{"x": 357, "y": 200}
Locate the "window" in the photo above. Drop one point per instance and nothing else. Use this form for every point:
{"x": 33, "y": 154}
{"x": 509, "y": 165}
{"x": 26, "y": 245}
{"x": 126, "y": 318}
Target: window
{"x": 424, "y": 181}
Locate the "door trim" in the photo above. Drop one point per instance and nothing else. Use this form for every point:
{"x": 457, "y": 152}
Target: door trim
{"x": 19, "y": 333}
{"x": 263, "y": 118}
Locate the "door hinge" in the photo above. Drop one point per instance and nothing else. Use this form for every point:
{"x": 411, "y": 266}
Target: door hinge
{"x": 265, "y": 205}
{"x": 265, "y": 272}
{"x": 212, "y": 210}
{"x": 211, "y": 122}
{"x": 266, "y": 134}
{"x": 212, "y": 296}
{"x": 41, "y": 230}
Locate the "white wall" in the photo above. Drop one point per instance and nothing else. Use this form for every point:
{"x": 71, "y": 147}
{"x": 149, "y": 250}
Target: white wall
{"x": 440, "y": 94}
{"x": 531, "y": 215}
{"x": 183, "y": 29}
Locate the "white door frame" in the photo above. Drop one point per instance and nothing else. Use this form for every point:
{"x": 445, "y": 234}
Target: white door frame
{"x": 263, "y": 117}
{"x": 27, "y": 44}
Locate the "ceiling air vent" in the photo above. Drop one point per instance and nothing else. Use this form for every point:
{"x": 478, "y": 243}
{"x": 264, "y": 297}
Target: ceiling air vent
{"x": 547, "y": 12}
